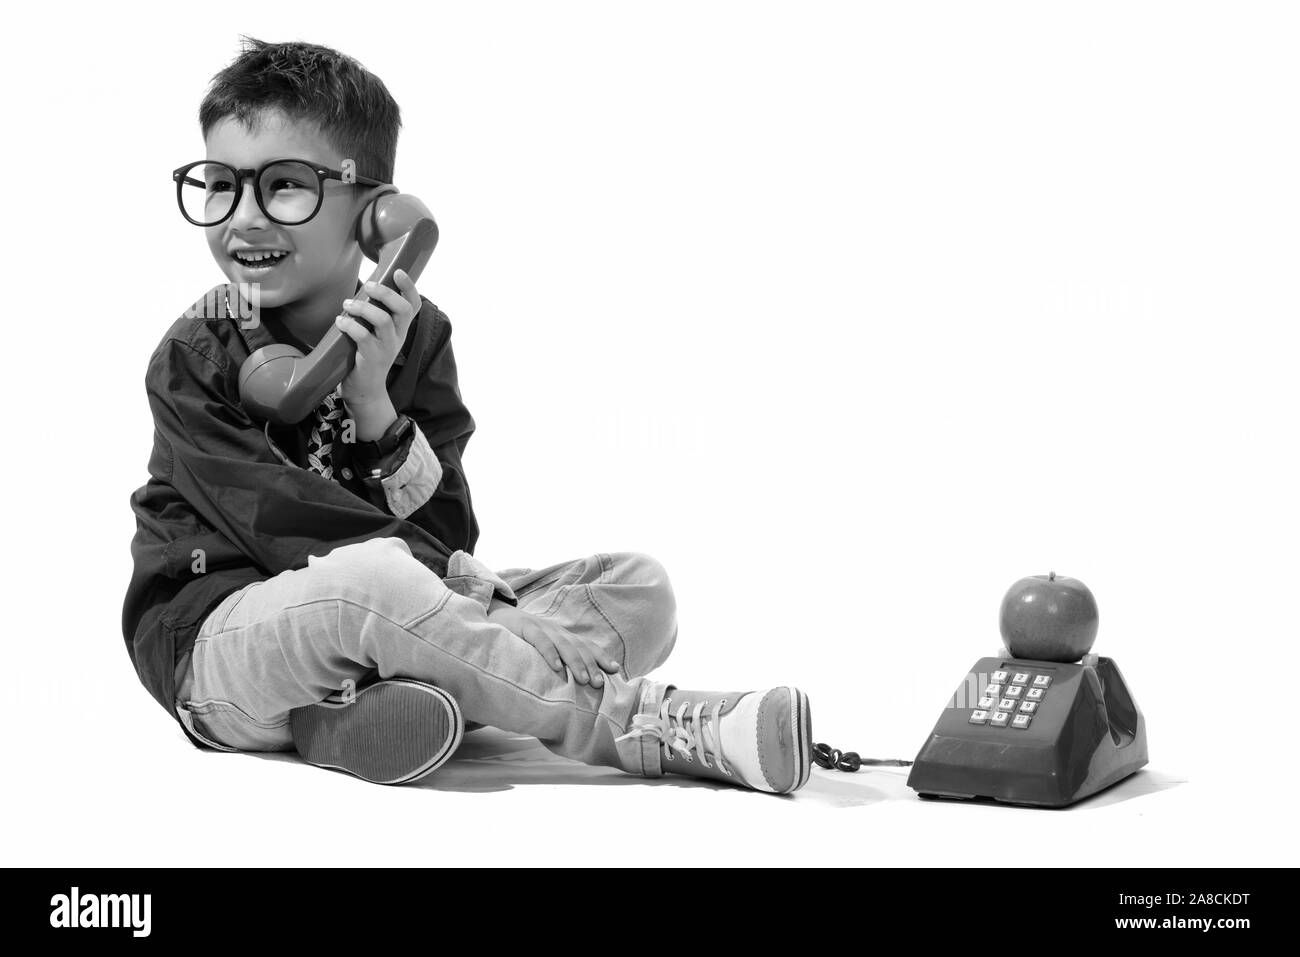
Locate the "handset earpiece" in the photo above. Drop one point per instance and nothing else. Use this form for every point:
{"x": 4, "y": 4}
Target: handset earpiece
{"x": 282, "y": 385}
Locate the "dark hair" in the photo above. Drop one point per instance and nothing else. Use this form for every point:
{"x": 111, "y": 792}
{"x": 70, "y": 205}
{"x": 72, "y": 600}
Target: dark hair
{"x": 348, "y": 104}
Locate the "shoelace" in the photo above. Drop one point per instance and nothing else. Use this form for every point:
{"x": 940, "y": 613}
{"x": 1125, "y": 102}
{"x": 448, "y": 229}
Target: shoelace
{"x": 674, "y": 734}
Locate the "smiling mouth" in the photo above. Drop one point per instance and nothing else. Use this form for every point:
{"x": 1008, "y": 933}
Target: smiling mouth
{"x": 259, "y": 260}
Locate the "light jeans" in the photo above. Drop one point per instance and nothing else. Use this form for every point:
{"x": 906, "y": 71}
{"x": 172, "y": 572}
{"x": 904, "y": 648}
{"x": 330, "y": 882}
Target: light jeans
{"x": 372, "y": 608}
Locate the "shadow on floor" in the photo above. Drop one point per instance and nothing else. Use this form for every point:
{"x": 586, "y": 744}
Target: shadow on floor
{"x": 490, "y": 759}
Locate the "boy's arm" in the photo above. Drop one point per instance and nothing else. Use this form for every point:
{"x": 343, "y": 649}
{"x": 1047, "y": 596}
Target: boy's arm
{"x": 423, "y": 481}
{"x": 220, "y": 462}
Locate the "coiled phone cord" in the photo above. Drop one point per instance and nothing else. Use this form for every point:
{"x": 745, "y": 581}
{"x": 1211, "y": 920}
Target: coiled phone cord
{"x": 833, "y": 759}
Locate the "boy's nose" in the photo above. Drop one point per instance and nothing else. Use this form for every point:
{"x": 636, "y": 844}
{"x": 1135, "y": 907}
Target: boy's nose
{"x": 247, "y": 213}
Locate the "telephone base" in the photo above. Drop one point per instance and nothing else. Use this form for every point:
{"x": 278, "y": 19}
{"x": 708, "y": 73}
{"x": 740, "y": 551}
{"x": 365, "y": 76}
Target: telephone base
{"x": 1037, "y": 733}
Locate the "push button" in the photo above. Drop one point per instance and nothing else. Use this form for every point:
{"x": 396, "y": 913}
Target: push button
{"x": 1007, "y": 704}
{"x": 988, "y": 703}
{"x": 999, "y": 719}
{"x": 1042, "y": 681}
{"x": 1020, "y": 721}
{"x": 1034, "y": 694}
{"x": 1013, "y": 691}
{"x": 1020, "y": 678}
{"x": 998, "y": 677}
{"x": 1028, "y": 707}
{"x": 994, "y": 691}
{"x": 979, "y": 717}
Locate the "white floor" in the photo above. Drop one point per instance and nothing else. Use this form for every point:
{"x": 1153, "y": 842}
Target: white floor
{"x": 505, "y": 799}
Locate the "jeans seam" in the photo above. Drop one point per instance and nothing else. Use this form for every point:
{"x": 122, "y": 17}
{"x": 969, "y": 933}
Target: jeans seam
{"x": 242, "y": 593}
{"x": 591, "y": 597}
{"x": 183, "y": 713}
{"x": 537, "y": 585}
{"x": 439, "y": 606}
{"x": 205, "y": 706}
{"x": 557, "y": 598}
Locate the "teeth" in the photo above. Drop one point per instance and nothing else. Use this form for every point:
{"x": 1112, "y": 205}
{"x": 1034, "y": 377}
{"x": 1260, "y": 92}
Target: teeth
{"x": 259, "y": 255}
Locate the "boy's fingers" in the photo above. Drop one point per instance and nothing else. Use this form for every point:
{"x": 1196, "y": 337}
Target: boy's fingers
{"x": 352, "y": 329}
{"x": 587, "y": 670}
{"x": 377, "y": 317}
{"x": 397, "y": 301}
{"x": 571, "y": 659}
{"x": 545, "y": 647}
{"x": 409, "y": 293}
{"x": 388, "y": 297}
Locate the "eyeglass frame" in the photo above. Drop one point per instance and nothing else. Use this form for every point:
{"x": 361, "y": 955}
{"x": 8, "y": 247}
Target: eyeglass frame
{"x": 180, "y": 174}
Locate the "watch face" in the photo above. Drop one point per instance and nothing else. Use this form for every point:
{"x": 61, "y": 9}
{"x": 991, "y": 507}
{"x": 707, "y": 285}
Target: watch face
{"x": 389, "y": 442}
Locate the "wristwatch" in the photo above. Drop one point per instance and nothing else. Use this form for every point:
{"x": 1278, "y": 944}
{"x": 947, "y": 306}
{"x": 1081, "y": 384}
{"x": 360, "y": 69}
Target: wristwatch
{"x": 390, "y": 441}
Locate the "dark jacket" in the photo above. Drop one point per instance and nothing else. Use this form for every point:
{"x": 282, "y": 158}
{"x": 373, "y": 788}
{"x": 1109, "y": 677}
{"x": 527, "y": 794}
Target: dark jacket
{"x": 229, "y": 500}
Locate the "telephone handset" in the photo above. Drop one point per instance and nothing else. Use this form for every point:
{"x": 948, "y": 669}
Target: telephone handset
{"x": 282, "y": 385}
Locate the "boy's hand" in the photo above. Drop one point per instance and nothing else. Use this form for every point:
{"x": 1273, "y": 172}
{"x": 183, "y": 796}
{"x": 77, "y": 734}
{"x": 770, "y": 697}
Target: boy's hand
{"x": 367, "y": 383}
{"x": 557, "y": 645}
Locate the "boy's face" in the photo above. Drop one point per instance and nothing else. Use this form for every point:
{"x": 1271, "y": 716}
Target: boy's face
{"x": 320, "y": 269}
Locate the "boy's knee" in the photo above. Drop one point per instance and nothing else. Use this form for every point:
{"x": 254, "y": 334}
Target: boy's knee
{"x": 656, "y": 611}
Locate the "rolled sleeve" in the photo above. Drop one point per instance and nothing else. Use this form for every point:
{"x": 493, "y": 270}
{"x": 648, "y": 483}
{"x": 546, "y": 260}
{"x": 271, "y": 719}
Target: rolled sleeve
{"x": 412, "y": 483}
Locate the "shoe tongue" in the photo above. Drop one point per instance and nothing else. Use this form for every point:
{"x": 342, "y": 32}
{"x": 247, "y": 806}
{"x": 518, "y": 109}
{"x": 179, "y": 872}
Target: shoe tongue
{"x": 734, "y": 736}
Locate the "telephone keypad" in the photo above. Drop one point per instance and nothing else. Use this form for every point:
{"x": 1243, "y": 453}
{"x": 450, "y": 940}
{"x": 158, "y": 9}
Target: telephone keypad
{"x": 1014, "y": 705}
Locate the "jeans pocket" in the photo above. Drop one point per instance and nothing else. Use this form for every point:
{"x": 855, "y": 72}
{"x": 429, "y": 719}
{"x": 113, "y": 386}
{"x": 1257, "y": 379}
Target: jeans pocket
{"x": 462, "y": 565}
{"x": 236, "y": 731}
{"x": 215, "y": 623}
{"x": 478, "y": 589}
{"x": 193, "y": 727}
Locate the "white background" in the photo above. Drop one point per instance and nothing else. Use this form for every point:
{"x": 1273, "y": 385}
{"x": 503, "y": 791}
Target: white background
{"x": 851, "y": 314}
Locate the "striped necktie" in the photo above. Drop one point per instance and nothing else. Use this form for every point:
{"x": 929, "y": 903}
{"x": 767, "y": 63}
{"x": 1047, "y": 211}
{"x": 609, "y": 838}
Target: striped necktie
{"x": 320, "y": 445}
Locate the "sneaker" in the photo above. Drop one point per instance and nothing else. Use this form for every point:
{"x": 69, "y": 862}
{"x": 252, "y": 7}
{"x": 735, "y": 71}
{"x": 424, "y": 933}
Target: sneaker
{"x": 389, "y": 732}
{"x": 757, "y": 739}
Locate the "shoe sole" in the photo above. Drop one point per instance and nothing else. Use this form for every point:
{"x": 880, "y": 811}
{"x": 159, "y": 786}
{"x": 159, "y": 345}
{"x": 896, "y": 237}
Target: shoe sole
{"x": 392, "y": 732}
{"x": 801, "y": 721}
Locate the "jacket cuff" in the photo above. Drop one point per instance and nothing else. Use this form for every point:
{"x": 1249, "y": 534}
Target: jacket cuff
{"x": 468, "y": 576}
{"x": 408, "y": 483}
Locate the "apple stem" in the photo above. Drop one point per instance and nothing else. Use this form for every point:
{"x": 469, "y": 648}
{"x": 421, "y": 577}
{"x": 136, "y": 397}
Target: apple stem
{"x": 1052, "y": 577}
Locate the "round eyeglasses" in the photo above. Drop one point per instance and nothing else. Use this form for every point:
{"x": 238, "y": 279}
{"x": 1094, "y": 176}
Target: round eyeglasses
{"x": 288, "y": 191}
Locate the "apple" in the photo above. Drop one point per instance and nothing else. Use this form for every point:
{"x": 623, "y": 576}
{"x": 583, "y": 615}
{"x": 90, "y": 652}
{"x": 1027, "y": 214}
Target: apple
{"x": 1049, "y": 618}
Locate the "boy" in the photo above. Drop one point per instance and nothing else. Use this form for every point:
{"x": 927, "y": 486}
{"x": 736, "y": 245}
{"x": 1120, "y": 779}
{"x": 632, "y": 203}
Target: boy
{"x": 313, "y": 587}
